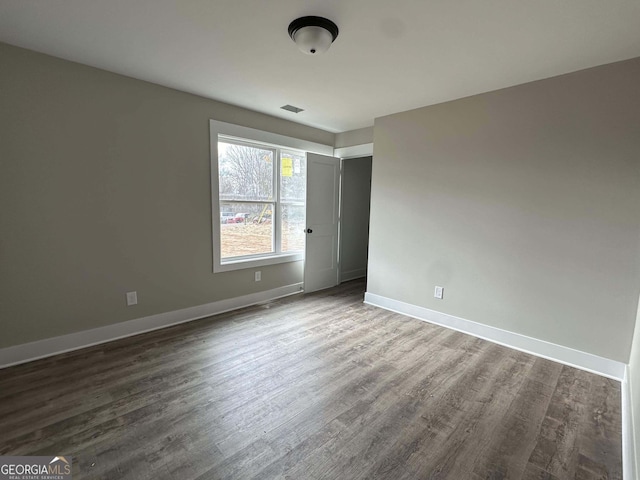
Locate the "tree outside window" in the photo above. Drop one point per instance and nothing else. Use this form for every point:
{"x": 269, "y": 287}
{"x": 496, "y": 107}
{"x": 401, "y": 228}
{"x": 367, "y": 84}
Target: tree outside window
{"x": 262, "y": 192}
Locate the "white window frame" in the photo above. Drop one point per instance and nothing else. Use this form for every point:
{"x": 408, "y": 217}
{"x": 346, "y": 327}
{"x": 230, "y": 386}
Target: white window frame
{"x": 237, "y": 132}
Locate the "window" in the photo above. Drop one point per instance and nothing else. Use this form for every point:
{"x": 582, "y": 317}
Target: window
{"x": 262, "y": 199}
{"x": 258, "y": 195}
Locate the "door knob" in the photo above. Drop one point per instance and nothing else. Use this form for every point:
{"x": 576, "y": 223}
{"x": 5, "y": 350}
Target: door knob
{"x": 308, "y": 230}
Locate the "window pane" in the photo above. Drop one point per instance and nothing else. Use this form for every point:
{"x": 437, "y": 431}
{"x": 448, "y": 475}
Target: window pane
{"x": 245, "y": 173}
{"x": 293, "y": 228}
{"x": 246, "y": 229}
{"x": 293, "y": 178}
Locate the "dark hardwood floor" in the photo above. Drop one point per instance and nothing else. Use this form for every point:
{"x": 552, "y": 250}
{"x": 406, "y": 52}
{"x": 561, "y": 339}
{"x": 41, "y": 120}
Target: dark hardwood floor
{"x": 319, "y": 386}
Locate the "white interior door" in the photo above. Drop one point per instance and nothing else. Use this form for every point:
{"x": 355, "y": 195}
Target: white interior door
{"x": 321, "y": 251}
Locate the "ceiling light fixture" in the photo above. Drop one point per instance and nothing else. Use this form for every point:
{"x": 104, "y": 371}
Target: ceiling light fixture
{"x": 313, "y": 35}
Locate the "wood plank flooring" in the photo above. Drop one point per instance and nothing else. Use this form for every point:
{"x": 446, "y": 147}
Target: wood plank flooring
{"x": 318, "y": 386}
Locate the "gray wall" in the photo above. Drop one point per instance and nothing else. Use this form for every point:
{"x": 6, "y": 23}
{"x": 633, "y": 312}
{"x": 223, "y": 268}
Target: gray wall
{"x": 354, "y": 137}
{"x": 523, "y": 203}
{"x": 104, "y": 188}
{"x": 354, "y": 225}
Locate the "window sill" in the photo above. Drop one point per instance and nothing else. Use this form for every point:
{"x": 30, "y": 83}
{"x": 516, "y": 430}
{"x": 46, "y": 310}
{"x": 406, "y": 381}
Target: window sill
{"x": 245, "y": 263}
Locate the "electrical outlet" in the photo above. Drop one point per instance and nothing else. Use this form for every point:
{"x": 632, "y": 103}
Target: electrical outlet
{"x": 439, "y": 292}
{"x": 132, "y": 298}
{"x": 258, "y": 276}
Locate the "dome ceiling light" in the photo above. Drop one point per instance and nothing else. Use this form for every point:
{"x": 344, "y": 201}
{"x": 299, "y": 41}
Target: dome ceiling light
{"x": 313, "y": 35}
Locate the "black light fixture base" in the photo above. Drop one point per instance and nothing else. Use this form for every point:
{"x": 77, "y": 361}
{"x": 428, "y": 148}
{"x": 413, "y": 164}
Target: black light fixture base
{"x": 312, "y": 21}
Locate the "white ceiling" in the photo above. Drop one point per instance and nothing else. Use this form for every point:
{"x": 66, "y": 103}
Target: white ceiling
{"x": 390, "y": 56}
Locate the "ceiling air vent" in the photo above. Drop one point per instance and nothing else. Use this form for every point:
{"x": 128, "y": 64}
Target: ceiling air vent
{"x": 291, "y": 108}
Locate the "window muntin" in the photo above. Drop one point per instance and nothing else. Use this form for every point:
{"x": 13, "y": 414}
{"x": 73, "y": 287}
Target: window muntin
{"x": 262, "y": 193}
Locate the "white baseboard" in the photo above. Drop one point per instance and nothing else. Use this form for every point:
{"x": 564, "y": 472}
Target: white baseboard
{"x": 558, "y": 353}
{"x": 353, "y": 274}
{"x": 74, "y": 341}
{"x": 628, "y": 438}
